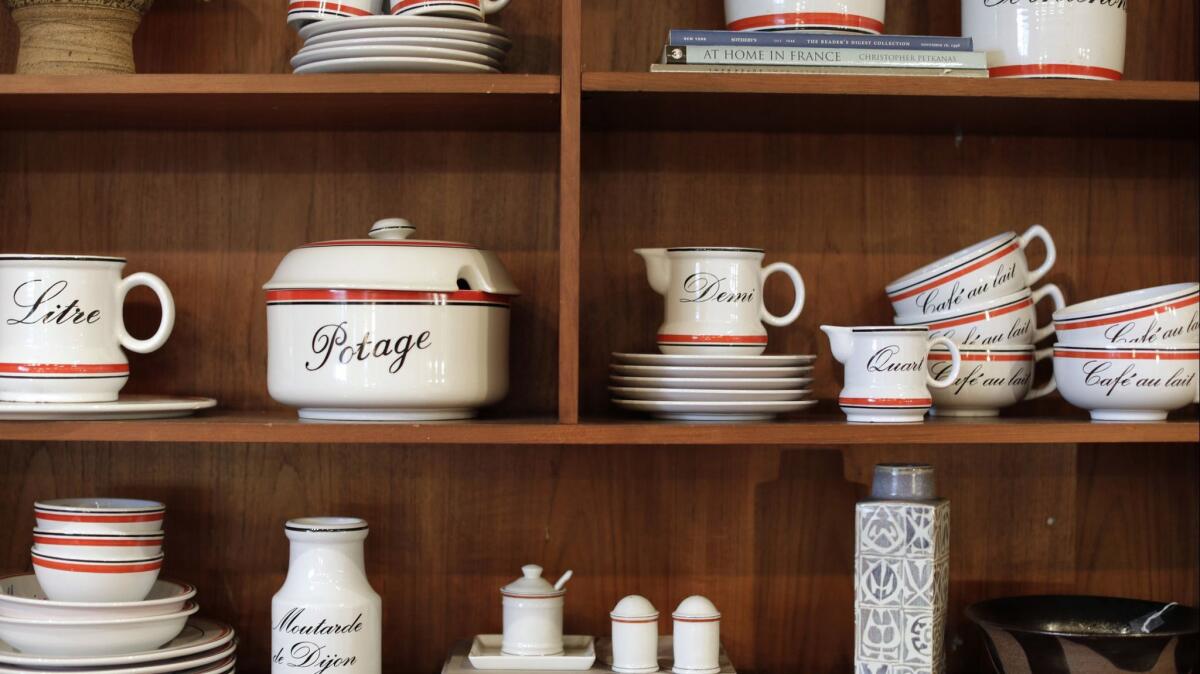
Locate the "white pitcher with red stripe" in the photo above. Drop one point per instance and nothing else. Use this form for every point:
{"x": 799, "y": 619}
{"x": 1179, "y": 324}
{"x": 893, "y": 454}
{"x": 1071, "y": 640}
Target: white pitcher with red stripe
{"x": 714, "y": 302}
{"x": 887, "y": 380}
{"x": 61, "y": 327}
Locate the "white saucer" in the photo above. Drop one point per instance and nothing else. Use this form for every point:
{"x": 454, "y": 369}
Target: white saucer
{"x": 336, "y": 40}
{"x": 670, "y": 371}
{"x": 707, "y": 395}
{"x": 381, "y": 21}
{"x": 727, "y": 411}
{"x": 579, "y": 652}
{"x": 488, "y": 39}
{"x": 713, "y": 361}
{"x": 218, "y": 656}
{"x": 126, "y": 407}
{"x": 393, "y": 64}
{"x": 747, "y": 384}
{"x": 198, "y": 636}
{"x": 356, "y": 51}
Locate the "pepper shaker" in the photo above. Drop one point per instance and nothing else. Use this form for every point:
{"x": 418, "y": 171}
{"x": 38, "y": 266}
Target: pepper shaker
{"x": 634, "y": 636}
{"x": 697, "y": 637}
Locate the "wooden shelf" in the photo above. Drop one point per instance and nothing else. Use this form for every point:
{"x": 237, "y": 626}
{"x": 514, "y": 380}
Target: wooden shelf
{"x": 691, "y": 101}
{"x": 334, "y": 102}
{"x": 810, "y": 431}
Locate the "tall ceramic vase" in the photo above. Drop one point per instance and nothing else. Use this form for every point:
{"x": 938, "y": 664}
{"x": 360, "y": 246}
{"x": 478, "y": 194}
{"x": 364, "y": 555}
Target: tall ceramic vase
{"x": 326, "y": 617}
{"x": 901, "y": 576}
{"x": 76, "y": 37}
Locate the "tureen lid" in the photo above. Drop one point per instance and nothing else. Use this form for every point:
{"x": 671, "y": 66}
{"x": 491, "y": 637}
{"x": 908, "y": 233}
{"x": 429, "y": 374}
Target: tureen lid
{"x": 634, "y": 607}
{"x": 531, "y": 584}
{"x": 390, "y": 260}
{"x": 696, "y": 607}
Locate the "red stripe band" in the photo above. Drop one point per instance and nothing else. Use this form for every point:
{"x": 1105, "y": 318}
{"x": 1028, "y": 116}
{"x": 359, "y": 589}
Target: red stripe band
{"x": 982, "y": 316}
{"x": 99, "y": 543}
{"x": 995, "y": 358}
{"x": 885, "y": 402}
{"x": 830, "y": 19}
{"x": 326, "y": 7}
{"x": 634, "y": 621}
{"x": 695, "y": 620}
{"x": 714, "y": 339}
{"x": 1134, "y": 315}
{"x": 107, "y": 519}
{"x": 1015, "y": 245}
{"x": 534, "y": 596}
{"x": 48, "y": 368}
{"x": 83, "y": 567}
{"x": 318, "y": 295}
{"x": 1055, "y": 69}
{"x": 401, "y": 243}
{"x": 1128, "y": 355}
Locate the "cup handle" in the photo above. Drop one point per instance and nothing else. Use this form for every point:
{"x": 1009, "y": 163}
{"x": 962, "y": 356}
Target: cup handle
{"x": 492, "y": 6}
{"x": 1039, "y": 232}
{"x": 767, "y": 316}
{"x": 1050, "y": 386}
{"x": 955, "y": 363}
{"x": 168, "y": 312}
{"x": 1056, "y": 297}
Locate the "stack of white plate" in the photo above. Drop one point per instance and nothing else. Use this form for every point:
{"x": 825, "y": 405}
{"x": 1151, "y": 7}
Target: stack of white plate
{"x": 712, "y": 388}
{"x": 401, "y": 44}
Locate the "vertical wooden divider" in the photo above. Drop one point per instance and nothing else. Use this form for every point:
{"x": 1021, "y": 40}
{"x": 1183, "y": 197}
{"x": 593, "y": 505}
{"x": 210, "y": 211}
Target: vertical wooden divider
{"x": 570, "y": 140}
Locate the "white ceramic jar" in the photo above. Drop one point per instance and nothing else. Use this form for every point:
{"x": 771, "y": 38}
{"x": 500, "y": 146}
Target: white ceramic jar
{"x": 697, "y": 637}
{"x": 1049, "y": 38}
{"x": 533, "y": 614}
{"x": 326, "y": 617}
{"x": 634, "y": 636}
{"x": 388, "y": 328}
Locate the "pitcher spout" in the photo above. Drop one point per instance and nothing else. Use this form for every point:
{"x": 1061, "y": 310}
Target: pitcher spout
{"x": 840, "y": 342}
{"x": 658, "y": 268}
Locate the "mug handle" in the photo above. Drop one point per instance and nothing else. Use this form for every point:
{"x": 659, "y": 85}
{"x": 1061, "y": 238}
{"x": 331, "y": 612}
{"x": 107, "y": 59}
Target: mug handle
{"x": 767, "y": 316}
{"x": 492, "y": 6}
{"x": 1050, "y": 386}
{"x": 955, "y": 363}
{"x": 1056, "y": 296}
{"x": 1039, "y": 232}
{"x": 168, "y": 312}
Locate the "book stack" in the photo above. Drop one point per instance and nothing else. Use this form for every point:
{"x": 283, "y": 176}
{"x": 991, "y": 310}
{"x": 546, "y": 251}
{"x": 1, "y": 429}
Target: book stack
{"x": 810, "y": 53}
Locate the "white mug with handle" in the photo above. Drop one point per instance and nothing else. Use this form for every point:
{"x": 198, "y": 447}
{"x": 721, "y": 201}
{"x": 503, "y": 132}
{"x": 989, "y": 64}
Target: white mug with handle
{"x": 476, "y": 10}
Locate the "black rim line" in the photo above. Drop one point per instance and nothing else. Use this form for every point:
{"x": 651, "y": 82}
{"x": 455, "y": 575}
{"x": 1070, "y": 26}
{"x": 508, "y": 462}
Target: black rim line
{"x": 62, "y": 258}
{"x": 715, "y": 249}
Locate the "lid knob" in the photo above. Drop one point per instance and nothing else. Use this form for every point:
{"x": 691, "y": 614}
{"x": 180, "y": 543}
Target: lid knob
{"x": 392, "y": 229}
{"x": 532, "y": 571}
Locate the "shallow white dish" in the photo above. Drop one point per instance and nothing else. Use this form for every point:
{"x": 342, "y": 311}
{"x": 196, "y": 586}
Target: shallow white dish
{"x": 336, "y": 40}
{"x": 707, "y": 395}
{"x": 488, "y": 39}
{"x": 392, "y": 64}
{"x": 199, "y": 635}
{"x": 22, "y": 597}
{"x": 747, "y": 384}
{"x": 713, "y": 361}
{"x": 127, "y": 407}
{"x": 93, "y": 637}
{"x": 382, "y": 21}
{"x": 360, "y": 51}
{"x": 219, "y": 658}
{"x": 670, "y": 371}
{"x": 725, "y": 411}
{"x": 579, "y": 652}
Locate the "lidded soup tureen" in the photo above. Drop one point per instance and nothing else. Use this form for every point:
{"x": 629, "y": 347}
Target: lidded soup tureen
{"x": 388, "y": 328}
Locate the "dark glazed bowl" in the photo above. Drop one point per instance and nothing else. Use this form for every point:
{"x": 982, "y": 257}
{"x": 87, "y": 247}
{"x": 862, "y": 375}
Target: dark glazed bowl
{"x": 1085, "y": 635}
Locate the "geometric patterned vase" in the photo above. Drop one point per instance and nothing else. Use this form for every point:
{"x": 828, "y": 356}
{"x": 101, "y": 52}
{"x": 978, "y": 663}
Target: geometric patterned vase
{"x": 901, "y": 575}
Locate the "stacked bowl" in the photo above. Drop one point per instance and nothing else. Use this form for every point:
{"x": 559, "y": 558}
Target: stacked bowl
{"x": 982, "y": 299}
{"x": 94, "y": 602}
{"x": 1132, "y": 356}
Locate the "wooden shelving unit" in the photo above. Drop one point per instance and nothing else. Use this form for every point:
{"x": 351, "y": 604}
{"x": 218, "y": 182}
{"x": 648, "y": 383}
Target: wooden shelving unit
{"x": 212, "y": 165}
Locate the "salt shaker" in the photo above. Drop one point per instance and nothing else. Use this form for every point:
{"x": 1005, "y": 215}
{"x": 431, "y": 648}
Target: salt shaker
{"x": 902, "y": 565}
{"x": 634, "y": 636}
{"x": 697, "y": 637}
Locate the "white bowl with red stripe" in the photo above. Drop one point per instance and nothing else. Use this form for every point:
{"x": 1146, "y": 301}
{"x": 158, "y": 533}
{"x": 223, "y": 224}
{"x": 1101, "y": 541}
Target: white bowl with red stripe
{"x": 22, "y": 597}
{"x": 93, "y": 638}
{"x": 1164, "y": 316}
{"x": 97, "y": 546}
{"x": 989, "y": 380}
{"x": 1127, "y": 384}
{"x": 1011, "y": 319}
{"x": 980, "y": 273}
{"x": 96, "y": 580}
{"x": 845, "y": 16}
{"x": 116, "y": 516}
{"x": 1077, "y": 40}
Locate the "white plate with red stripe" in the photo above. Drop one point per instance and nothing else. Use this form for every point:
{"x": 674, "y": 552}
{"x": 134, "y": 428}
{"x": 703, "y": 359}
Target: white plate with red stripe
{"x": 392, "y": 64}
{"x": 126, "y": 407}
{"x": 200, "y": 635}
{"x": 487, "y": 39}
{"x": 722, "y": 411}
{"x": 707, "y": 395}
{"x": 215, "y": 661}
{"x": 713, "y": 361}
{"x": 336, "y": 40}
{"x": 340, "y": 51}
{"x": 671, "y": 371}
{"x": 380, "y": 21}
{"x": 708, "y": 383}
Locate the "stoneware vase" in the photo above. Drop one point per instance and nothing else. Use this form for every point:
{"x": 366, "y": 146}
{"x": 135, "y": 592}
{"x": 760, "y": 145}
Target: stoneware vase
{"x": 76, "y": 37}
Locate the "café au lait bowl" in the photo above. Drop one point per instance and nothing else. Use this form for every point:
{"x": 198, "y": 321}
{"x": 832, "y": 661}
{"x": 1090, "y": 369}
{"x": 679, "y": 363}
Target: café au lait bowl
{"x": 99, "y": 515}
{"x": 93, "y": 638}
{"x": 990, "y": 379}
{"x": 90, "y": 580}
{"x": 1123, "y": 384}
{"x": 1011, "y": 319}
{"x": 1165, "y": 316}
{"x": 22, "y": 597}
{"x": 97, "y": 546}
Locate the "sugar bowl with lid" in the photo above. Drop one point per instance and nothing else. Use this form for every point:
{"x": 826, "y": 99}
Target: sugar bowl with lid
{"x": 533, "y": 613}
{"x": 388, "y": 328}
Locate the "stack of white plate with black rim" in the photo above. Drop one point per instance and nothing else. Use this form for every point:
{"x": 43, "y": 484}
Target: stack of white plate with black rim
{"x": 712, "y": 388}
{"x": 401, "y": 44}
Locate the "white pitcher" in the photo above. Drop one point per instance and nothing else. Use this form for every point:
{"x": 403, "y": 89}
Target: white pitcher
{"x": 887, "y": 380}
{"x": 714, "y": 302}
